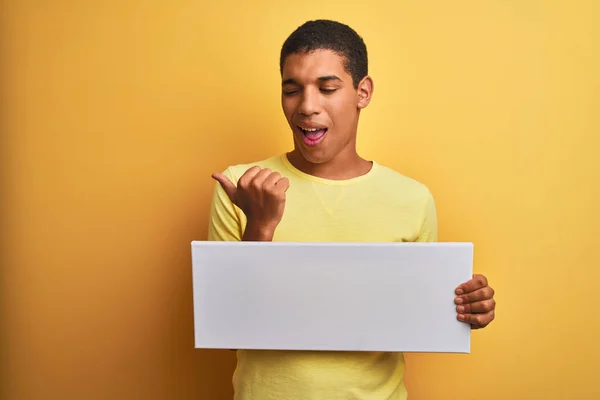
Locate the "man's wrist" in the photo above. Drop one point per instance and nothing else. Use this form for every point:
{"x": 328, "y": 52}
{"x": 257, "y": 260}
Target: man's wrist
{"x": 258, "y": 232}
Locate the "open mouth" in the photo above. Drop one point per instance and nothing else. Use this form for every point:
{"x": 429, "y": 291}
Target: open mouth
{"x": 313, "y": 136}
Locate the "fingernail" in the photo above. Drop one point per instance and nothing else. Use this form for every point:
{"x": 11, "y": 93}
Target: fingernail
{"x": 461, "y": 317}
{"x": 459, "y": 300}
{"x": 459, "y": 291}
{"x": 460, "y": 309}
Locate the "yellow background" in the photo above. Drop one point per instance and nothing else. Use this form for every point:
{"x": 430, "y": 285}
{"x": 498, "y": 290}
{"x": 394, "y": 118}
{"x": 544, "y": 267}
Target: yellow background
{"x": 114, "y": 114}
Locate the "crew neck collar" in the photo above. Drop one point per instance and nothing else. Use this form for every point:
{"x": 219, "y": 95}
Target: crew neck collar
{"x": 304, "y": 175}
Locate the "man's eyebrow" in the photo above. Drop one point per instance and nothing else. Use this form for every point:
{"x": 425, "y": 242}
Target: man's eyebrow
{"x": 292, "y": 81}
{"x": 329, "y": 78}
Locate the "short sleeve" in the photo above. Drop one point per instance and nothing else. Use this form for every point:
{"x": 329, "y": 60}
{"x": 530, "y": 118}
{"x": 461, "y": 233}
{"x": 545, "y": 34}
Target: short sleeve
{"x": 428, "y": 231}
{"x": 224, "y": 222}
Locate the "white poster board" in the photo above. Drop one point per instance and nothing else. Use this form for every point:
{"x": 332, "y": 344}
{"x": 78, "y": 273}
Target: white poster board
{"x": 330, "y": 296}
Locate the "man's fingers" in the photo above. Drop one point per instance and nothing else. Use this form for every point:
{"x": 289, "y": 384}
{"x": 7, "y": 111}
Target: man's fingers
{"x": 259, "y": 179}
{"x": 478, "y": 282}
{"x": 484, "y": 306}
{"x": 226, "y": 184}
{"x": 283, "y": 184}
{"x": 477, "y": 320}
{"x": 276, "y": 182}
{"x": 482, "y": 294}
{"x": 271, "y": 180}
{"x": 475, "y": 304}
{"x": 248, "y": 176}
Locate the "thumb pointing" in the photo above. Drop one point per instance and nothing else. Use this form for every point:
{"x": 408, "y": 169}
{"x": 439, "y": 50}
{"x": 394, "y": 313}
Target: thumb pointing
{"x": 227, "y": 185}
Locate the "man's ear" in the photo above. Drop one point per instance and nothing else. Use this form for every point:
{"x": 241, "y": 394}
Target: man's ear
{"x": 365, "y": 91}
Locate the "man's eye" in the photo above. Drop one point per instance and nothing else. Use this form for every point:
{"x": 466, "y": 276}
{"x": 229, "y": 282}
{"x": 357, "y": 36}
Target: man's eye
{"x": 328, "y": 90}
{"x": 290, "y": 92}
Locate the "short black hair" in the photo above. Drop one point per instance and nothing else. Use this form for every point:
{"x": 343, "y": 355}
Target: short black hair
{"x": 329, "y": 35}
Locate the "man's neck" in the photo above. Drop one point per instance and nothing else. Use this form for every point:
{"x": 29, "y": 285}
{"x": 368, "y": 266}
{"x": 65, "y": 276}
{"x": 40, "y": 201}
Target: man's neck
{"x": 342, "y": 167}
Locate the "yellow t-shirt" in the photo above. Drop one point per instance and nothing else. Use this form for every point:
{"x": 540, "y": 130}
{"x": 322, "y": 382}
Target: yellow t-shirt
{"x": 380, "y": 206}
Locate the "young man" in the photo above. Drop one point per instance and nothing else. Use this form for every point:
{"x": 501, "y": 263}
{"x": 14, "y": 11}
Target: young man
{"x": 324, "y": 191}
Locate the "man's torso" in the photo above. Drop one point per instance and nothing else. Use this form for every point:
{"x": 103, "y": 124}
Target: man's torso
{"x": 382, "y": 206}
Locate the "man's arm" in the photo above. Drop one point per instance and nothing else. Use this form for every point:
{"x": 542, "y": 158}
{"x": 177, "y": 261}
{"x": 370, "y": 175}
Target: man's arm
{"x": 475, "y": 304}
{"x": 225, "y": 219}
{"x": 259, "y": 193}
{"x": 428, "y": 230}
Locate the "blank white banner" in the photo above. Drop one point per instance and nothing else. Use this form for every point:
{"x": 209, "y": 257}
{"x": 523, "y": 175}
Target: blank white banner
{"x": 330, "y": 296}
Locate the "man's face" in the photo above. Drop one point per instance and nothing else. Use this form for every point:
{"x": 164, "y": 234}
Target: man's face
{"x": 320, "y": 104}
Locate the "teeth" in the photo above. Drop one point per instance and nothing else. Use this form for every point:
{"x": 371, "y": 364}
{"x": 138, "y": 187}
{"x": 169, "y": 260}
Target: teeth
{"x": 309, "y": 130}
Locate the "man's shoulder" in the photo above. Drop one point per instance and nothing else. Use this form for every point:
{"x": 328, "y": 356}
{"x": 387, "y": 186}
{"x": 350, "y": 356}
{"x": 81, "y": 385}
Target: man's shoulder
{"x": 398, "y": 178}
{"x": 401, "y": 184}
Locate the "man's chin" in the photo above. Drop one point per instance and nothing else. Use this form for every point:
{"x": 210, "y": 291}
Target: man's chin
{"x": 315, "y": 157}
{"x": 310, "y": 156}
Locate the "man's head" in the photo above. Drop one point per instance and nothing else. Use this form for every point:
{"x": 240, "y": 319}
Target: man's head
{"x": 325, "y": 84}
{"x": 333, "y": 36}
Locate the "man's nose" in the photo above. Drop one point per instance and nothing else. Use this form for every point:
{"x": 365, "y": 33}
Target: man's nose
{"x": 309, "y": 103}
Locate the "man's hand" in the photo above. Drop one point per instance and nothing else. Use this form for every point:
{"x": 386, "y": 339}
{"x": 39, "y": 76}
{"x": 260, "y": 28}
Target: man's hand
{"x": 261, "y": 195}
{"x": 475, "y": 302}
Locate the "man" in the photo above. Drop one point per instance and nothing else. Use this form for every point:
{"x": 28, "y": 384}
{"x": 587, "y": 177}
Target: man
{"x": 324, "y": 191}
